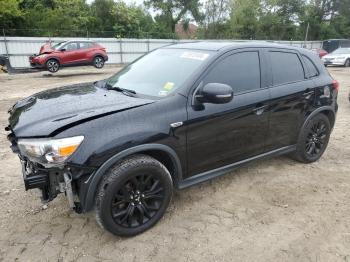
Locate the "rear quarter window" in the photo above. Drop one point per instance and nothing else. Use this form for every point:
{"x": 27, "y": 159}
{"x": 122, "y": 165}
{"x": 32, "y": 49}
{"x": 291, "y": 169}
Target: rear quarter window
{"x": 286, "y": 67}
{"x": 311, "y": 68}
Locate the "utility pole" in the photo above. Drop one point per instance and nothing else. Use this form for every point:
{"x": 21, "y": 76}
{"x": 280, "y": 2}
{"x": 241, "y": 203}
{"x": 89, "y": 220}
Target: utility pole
{"x": 306, "y": 34}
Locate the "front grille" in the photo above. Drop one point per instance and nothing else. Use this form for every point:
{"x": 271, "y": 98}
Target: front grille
{"x": 39, "y": 180}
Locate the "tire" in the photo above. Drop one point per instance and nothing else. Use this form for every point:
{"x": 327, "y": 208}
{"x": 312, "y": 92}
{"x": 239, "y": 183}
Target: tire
{"x": 347, "y": 63}
{"x": 133, "y": 195}
{"x": 98, "y": 62}
{"x": 52, "y": 65}
{"x": 313, "y": 139}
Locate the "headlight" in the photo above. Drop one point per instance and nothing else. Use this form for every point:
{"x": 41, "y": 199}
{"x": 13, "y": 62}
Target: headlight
{"x": 41, "y": 56}
{"x": 339, "y": 58}
{"x": 46, "y": 150}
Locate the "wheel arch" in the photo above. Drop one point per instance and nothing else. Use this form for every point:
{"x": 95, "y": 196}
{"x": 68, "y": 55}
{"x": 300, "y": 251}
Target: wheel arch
{"x": 164, "y": 154}
{"x": 54, "y": 58}
{"x": 326, "y": 110}
{"x": 97, "y": 55}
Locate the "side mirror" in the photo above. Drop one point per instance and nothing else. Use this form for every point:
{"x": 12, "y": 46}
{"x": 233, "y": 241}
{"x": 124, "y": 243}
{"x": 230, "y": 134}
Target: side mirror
{"x": 63, "y": 49}
{"x": 215, "y": 93}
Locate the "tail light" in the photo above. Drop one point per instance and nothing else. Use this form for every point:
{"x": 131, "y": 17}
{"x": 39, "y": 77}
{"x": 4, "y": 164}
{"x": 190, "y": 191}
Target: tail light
{"x": 335, "y": 84}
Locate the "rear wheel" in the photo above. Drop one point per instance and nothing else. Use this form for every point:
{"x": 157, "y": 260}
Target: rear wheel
{"x": 52, "y": 65}
{"x": 313, "y": 139}
{"x": 98, "y": 62}
{"x": 133, "y": 195}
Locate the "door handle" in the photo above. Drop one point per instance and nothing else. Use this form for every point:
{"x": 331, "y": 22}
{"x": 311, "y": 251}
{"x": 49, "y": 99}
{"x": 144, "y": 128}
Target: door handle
{"x": 259, "y": 109}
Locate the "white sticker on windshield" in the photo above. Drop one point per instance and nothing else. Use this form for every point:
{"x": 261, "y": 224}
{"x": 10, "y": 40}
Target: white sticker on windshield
{"x": 163, "y": 93}
{"x": 195, "y": 55}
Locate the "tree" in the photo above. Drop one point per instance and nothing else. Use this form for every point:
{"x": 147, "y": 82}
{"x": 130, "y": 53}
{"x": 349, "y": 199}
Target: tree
{"x": 214, "y": 22}
{"x": 278, "y": 19}
{"x": 103, "y": 16}
{"x": 131, "y": 21}
{"x": 172, "y": 11}
{"x": 55, "y": 17}
{"x": 10, "y": 13}
{"x": 244, "y": 19}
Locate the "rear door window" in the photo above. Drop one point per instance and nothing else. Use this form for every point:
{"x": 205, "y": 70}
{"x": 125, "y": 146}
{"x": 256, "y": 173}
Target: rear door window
{"x": 241, "y": 71}
{"x": 85, "y": 45}
{"x": 286, "y": 67}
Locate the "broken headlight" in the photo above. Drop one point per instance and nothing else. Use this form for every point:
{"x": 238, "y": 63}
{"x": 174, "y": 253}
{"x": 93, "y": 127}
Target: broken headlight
{"x": 49, "y": 150}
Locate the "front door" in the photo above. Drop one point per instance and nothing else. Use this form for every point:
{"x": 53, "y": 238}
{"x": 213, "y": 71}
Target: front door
{"x": 70, "y": 54}
{"x": 221, "y": 134}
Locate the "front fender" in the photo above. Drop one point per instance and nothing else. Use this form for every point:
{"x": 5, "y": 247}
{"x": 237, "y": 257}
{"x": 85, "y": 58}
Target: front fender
{"x": 89, "y": 187}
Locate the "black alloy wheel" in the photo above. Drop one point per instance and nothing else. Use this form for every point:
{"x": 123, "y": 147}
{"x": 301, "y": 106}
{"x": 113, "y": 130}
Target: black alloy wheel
{"x": 137, "y": 201}
{"x": 316, "y": 139}
{"x": 313, "y": 139}
{"x": 133, "y": 195}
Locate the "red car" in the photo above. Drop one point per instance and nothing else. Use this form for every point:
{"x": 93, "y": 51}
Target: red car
{"x": 69, "y": 53}
{"x": 320, "y": 52}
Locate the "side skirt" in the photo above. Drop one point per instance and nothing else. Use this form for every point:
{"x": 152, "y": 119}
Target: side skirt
{"x": 205, "y": 176}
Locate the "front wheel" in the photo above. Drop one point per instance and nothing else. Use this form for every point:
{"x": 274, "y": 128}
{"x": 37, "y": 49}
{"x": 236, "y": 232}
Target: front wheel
{"x": 98, "y": 62}
{"x": 52, "y": 65}
{"x": 313, "y": 139}
{"x": 133, "y": 195}
{"x": 347, "y": 63}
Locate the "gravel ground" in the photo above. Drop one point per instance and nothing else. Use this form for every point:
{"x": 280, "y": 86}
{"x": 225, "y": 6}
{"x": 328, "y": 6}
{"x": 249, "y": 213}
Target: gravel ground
{"x": 270, "y": 210}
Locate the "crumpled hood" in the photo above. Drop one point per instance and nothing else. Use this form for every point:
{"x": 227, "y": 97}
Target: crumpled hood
{"x": 46, "y": 48}
{"x": 46, "y": 112}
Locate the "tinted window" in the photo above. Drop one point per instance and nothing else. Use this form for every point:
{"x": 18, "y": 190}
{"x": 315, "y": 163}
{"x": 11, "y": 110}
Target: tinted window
{"x": 286, "y": 68}
{"x": 241, "y": 71}
{"x": 310, "y": 66}
{"x": 71, "y": 46}
{"x": 85, "y": 45}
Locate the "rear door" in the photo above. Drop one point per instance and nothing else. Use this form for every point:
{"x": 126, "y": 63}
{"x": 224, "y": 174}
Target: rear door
{"x": 84, "y": 50}
{"x": 292, "y": 95}
{"x": 222, "y": 134}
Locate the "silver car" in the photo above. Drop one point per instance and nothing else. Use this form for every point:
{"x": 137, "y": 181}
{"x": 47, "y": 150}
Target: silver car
{"x": 340, "y": 56}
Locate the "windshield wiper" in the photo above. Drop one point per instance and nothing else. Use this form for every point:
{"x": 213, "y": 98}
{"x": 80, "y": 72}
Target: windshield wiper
{"x": 119, "y": 89}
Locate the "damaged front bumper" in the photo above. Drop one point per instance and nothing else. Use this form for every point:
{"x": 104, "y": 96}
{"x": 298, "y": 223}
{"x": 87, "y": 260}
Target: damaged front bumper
{"x": 50, "y": 182}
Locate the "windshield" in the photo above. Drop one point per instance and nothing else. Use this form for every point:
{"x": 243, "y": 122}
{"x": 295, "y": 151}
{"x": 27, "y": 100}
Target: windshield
{"x": 342, "y": 51}
{"x": 160, "y": 72}
{"x": 58, "y": 46}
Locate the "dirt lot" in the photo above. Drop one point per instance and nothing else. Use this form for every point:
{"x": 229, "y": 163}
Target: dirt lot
{"x": 271, "y": 210}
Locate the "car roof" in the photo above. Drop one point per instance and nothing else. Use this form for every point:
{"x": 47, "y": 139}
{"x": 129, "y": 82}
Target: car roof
{"x": 217, "y": 46}
{"x": 68, "y": 41}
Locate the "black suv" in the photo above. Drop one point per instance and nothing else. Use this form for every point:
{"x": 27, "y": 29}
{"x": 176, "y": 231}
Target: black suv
{"x": 177, "y": 116}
